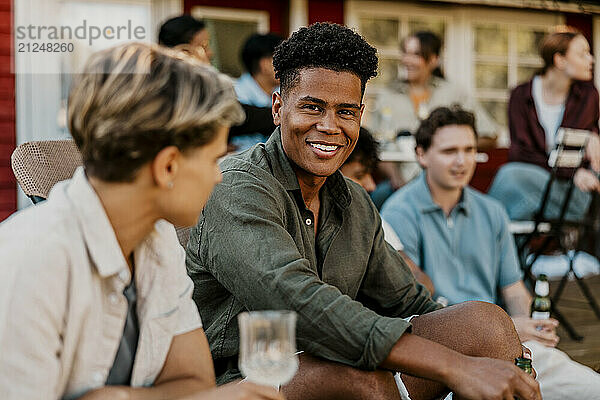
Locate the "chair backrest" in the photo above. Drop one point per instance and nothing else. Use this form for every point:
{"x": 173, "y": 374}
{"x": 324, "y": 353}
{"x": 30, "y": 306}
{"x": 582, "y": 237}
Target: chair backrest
{"x": 570, "y": 148}
{"x": 38, "y": 166}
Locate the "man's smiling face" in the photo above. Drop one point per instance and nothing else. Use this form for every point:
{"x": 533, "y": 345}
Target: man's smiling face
{"x": 320, "y": 120}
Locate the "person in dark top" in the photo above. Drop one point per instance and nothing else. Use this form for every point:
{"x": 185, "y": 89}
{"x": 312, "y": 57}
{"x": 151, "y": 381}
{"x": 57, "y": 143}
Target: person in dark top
{"x": 285, "y": 230}
{"x": 561, "y": 95}
{"x": 190, "y": 34}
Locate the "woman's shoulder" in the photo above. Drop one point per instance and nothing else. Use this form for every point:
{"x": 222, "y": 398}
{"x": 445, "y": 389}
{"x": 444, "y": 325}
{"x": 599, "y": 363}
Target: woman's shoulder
{"x": 523, "y": 89}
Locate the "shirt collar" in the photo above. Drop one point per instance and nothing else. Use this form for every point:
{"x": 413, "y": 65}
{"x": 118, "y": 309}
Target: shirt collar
{"x": 98, "y": 233}
{"x": 284, "y": 173}
{"x": 426, "y": 203}
{"x": 402, "y": 85}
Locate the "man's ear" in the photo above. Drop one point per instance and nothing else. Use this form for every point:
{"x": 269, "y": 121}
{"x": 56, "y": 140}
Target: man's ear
{"x": 265, "y": 65}
{"x": 421, "y": 159}
{"x": 434, "y": 62}
{"x": 276, "y": 108}
{"x": 165, "y": 167}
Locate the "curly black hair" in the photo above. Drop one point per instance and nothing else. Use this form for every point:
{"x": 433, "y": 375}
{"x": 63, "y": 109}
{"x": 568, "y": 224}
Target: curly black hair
{"x": 324, "y": 45}
{"x": 440, "y": 117}
{"x": 366, "y": 150}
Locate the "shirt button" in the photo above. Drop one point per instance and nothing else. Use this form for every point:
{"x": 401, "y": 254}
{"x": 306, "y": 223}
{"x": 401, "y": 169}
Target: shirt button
{"x": 98, "y": 377}
{"x": 124, "y": 275}
{"x": 113, "y": 298}
{"x": 308, "y": 221}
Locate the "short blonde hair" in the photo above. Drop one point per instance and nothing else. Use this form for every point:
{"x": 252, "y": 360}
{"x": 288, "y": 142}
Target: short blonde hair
{"x": 133, "y": 100}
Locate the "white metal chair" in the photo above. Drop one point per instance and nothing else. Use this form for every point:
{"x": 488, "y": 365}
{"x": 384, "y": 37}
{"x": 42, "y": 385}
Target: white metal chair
{"x": 568, "y": 153}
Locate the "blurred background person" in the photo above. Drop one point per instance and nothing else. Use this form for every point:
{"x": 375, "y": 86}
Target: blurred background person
{"x": 420, "y": 88}
{"x": 256, "y": 85}
{"x": 186, "y": 29}
{"x": 461, "y": 239}
{"x": 359, "y": 167}
{"x": 560, "y": 95}
{"x": 96, "y": 302}
{"x": 190, "y": 35}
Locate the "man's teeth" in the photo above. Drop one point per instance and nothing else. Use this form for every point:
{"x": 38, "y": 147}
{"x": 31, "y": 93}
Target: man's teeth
{"x": 324, "y": 147}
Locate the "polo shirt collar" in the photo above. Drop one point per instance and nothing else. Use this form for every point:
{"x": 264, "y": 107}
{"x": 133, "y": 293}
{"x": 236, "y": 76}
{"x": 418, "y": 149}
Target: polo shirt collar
{"x": 426, "y": 203}
{"x": 98, "y": 233}
{"x": 284, "y": 173}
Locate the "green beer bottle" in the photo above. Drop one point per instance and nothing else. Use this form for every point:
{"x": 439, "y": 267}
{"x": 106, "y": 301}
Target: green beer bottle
{"x": 540, "y": 308}
{"x": 524, "y": 364}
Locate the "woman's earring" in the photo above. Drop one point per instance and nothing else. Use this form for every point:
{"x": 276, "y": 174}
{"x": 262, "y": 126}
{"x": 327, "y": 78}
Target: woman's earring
{"x": 170, "y": 185}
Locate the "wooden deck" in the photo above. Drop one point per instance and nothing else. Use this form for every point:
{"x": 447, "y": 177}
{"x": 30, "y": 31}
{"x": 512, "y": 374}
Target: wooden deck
{"x": 574, "y": 307}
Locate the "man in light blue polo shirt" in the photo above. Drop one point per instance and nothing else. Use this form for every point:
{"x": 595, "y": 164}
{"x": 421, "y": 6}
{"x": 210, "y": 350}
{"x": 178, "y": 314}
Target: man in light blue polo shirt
{"x": 460, "y": 238}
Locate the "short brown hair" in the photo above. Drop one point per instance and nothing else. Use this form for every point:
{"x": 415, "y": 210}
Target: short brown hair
{"x": 556, "y": 42}
{"x": 440, "y": 117}
{"x": 133, "y": 100}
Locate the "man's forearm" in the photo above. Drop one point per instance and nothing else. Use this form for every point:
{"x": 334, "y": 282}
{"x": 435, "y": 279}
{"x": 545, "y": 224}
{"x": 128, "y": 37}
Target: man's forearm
{"x": 517, "y": 299}
{"x": 417, "y": 356}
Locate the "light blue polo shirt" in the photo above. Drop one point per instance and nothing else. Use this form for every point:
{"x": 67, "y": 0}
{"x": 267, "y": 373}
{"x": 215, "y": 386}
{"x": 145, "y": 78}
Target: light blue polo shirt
{"x": 249, "y": 92}
{"x": 470, "y": 255}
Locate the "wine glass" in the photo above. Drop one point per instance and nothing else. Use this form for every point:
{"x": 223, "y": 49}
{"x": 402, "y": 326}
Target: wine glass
{"x": 268, "y": 347}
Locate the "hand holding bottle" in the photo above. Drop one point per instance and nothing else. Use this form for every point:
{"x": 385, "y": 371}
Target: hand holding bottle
{"x": 529, "y": 329}
{"x": 488, "y": 378}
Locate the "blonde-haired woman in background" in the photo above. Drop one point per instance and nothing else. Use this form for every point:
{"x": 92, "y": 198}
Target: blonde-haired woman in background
{"x": 95, "y": 299}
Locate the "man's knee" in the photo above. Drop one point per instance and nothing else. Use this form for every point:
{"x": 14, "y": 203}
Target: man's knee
{"x": 496, "y": 335}
{"x": 473, "y": 328}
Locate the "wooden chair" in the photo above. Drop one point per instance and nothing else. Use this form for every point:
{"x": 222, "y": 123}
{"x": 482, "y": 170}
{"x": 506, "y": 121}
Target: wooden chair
{"x": 39, "y": 165}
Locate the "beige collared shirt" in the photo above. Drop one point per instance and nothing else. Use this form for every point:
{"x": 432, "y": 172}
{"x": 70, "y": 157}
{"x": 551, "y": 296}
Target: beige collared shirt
{"x": 62, "y": 308}
{"x": 391, "y": 107}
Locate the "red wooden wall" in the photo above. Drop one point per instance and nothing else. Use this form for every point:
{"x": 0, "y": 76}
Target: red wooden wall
{"x": 325, "y": 11}
{"x": 278, "y": 10}
{"x": 8, "y": 193}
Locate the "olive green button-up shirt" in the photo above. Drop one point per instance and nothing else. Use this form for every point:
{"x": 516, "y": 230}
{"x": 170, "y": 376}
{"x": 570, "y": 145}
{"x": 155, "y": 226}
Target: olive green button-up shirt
{"x": 254, "y": 248}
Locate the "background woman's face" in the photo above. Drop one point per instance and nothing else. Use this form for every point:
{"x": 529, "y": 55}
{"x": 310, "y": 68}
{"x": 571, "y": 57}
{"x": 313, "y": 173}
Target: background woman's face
{"x": 417, "y": 68}
{"x": 579, "y": 60}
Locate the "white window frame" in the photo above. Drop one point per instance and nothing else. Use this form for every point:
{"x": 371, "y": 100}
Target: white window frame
{"x": 459, "y": 55}
{"x": 354, "y": 10}
{"x": 36, "y": 116}
{"x": 234, "y": 14}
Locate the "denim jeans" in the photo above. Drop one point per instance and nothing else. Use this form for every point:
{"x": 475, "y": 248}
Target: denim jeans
{"x": 520, "y": 188}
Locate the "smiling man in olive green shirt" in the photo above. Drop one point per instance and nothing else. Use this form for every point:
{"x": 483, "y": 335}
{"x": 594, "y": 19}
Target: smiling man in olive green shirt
{"x": 285, "y": 230}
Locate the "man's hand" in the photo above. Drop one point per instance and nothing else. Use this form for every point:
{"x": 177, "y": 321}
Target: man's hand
{"x": 585, "y": 180}
{"x": 239, "y": 391}
{"x": 592, "y": 152}
{"x": 481, "y": 378}
{"x": 540, "y": 330}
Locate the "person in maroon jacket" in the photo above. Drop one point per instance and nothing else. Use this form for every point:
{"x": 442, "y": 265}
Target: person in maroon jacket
{"x": 560, "y": 95}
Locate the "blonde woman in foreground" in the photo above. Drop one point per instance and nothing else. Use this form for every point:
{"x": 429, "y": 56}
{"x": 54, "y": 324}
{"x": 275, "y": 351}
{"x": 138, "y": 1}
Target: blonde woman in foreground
{"x": 94, "y": 297}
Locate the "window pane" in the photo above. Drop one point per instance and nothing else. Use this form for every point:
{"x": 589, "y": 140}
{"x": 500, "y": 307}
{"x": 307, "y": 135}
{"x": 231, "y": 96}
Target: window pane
{"x": 491, "y": 76}
{"x": 436, "y": 26}
{"x": 227, "y": 39}
{"x": 491, "y": 40}
{"x": 525, "y": 73}
{"x": 387, "y": 72}
{"x": 528, "y": 41}
{"x": 380, "y": 32}
{"x": 497, "y": 109}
